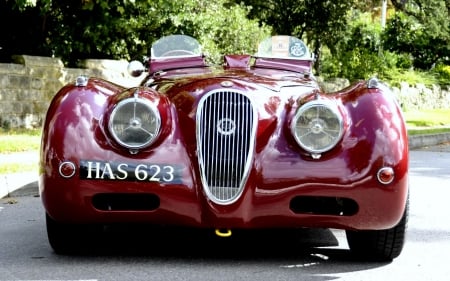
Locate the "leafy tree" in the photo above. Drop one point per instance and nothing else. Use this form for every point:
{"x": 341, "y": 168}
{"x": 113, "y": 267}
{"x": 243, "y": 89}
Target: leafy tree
{"x": 18, "y": 38}
{"x": 316, "y": 21}
{"x": 420, "y": 28}
{"x": 219, "y": 34}
{"x": 116, "y": 29}
{"x": 358, "y": 54}
{"x": 72, "y": 30}
{"x": 112, "y": 29}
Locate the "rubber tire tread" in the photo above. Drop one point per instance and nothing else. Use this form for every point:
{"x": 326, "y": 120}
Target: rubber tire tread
{"x": 379, "y": 245}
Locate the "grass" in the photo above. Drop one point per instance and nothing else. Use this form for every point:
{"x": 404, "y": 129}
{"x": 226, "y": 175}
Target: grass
{"x": 19, "y": 143}
{"x": 11, "y": 168}
{"x": 13, "y": 141}
{"x": 428, "y": 121}
{"x": 425, "y": 131}
{"x": 428, "y": 118}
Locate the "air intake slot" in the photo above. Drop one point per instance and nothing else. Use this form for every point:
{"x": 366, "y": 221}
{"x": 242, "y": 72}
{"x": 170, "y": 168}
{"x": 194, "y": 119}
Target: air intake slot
{"x": 226, "y": 127}
{"x": 322, "y": 205}
{"x": 125, "y": 202}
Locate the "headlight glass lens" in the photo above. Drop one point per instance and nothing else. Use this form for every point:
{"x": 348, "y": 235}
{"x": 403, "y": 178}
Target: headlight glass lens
{"x": 135, "y": 123}
{"x": 317, "y": 126}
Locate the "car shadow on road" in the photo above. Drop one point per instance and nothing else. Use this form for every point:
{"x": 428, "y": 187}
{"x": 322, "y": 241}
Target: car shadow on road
{"x": 311, "y": 253}
{"x": 305, "y": 246}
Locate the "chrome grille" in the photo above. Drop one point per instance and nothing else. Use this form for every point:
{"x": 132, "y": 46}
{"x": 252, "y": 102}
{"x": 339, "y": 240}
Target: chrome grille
{"x": 226, "y": 127}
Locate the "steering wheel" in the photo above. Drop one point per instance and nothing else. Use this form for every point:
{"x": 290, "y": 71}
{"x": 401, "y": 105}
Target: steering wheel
{"x": 177, "y": 53}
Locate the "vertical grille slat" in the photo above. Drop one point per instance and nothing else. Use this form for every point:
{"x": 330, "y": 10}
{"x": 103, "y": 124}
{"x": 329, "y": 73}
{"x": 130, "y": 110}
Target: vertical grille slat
{"x": 225, "y": 139}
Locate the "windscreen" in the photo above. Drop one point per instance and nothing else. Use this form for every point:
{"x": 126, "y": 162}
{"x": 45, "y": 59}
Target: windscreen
{"x": 176, "y": 46}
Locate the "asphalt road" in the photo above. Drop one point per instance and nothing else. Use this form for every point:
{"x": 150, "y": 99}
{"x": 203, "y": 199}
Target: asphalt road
{"x": 316, "y": 255}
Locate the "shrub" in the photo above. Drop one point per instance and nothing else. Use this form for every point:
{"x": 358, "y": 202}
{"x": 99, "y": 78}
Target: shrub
{"x": 442, "y": 72}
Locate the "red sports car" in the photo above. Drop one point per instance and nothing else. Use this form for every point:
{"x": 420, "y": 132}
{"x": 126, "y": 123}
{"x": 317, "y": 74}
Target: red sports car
{"x": 254, "y": 143}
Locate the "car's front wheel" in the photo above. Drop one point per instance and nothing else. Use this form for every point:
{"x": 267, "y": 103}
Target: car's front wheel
{"x": 67, "y": 238}
{"x": 379, "y": 245}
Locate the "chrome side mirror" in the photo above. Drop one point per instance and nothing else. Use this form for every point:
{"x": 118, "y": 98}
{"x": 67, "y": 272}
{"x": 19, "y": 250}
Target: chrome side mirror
{"x": 135, "y": 68}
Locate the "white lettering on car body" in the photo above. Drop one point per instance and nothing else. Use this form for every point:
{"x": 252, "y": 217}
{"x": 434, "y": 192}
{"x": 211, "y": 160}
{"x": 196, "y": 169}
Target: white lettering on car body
{"x": 99, "y": 170}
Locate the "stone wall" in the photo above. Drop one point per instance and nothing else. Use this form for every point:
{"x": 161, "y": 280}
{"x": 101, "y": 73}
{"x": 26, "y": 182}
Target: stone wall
{"x": 28, "y": 85}
{"x": 409, "y": 97}
{"x": 421, "y": 97}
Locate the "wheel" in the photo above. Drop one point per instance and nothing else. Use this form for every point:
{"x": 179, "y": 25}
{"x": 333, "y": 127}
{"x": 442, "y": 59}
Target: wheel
{"x": 68, "y": 238}
{"x": 379, "y": 245}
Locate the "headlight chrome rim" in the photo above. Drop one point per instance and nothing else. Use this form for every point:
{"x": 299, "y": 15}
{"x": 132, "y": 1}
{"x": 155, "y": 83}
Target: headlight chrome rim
{"x": 318, "y": 126}
{"x": 144, "y": 119}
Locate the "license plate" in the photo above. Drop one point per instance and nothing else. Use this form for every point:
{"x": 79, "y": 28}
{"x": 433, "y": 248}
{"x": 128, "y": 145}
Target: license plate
{"x": 144, "y": 172}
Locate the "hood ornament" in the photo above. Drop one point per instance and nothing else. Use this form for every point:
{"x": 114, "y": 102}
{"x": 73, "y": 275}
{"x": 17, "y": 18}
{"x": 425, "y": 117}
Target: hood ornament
{"x": 226, "y": 84}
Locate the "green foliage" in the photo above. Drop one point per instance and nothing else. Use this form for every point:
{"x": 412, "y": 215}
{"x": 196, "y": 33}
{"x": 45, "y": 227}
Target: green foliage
{"x": 346, "y": 36}
{"x": 354, "y": 64}
{"x": 219, "y": 34}
{"x": 395, "y": 76}
{"x": 403, "y": 60}
{"x": 421, "y": 28}
{"x": 362, "y": 53}
{"x": 320, "y": 23}
{"x": 115, "y": 29}
{"x": 358, "y": 54}
{"x": 99, "y": 29}
{"x": 313, "y": 18}
{"x": 442, "y": 73}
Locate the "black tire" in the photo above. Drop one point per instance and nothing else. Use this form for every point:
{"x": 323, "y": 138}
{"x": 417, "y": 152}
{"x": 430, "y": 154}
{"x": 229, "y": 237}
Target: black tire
{"x": 68, "y": 238}
{"x": 379, "y": 245}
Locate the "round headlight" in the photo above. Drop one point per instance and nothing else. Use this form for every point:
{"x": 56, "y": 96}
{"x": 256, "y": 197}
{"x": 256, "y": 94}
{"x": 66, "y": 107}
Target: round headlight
{"x": 135, "y": 123}
{"x": 317, "y": 126}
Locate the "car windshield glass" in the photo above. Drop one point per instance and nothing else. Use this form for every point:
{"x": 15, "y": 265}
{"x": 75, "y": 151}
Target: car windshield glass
{"x": 176, "y": 46}
{"x": 285, "y": 47}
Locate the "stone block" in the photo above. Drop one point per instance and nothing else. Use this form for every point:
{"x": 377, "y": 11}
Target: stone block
{"x": 33, "y": 61}
{"x": 11, "y": 68}
{"x": 19, "y": 81}
{"x": 36, "y": 83}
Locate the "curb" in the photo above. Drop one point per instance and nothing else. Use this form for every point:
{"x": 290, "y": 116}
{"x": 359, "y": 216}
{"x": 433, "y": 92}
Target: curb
{"x": 418, "y": 141}
{"x": 19, "y": 184}
{"x": 26, "y": 184}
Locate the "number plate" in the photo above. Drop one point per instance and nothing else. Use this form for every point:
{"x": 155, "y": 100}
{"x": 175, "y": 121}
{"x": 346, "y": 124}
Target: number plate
{"x": 101, "y": 170}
